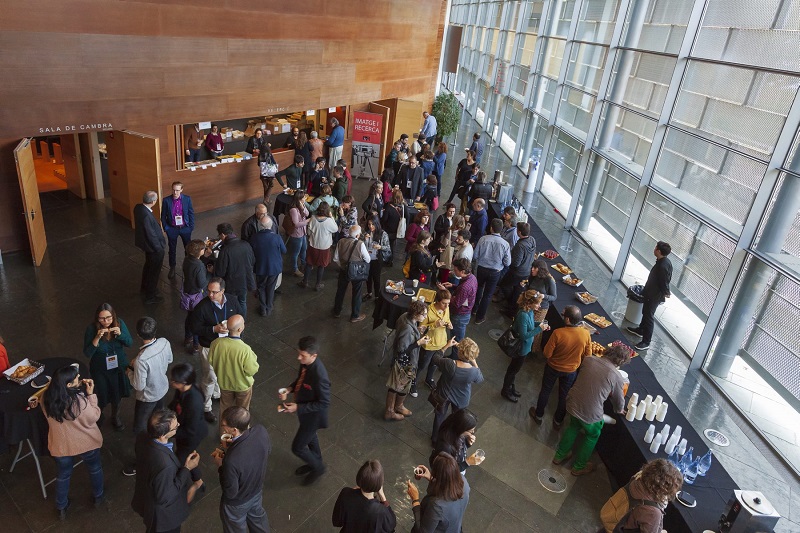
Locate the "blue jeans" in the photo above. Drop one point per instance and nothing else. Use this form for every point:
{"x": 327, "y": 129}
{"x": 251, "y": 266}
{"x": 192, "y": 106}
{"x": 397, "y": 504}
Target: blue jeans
{"x": 565, "y": 381}
{"x": 172, "y": 239}
{"x": 247, "y": 517}
{"x": 64, "y": 465}
{"x": 459, "y": 329}
{"x": 487, "y": 282}
{"x": 297, "y": 249}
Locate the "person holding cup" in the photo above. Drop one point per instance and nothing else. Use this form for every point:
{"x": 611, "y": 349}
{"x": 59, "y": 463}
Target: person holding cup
{"x": 442, "y": 509}
{"x": 526, "y": 327}
{"x": 365, "y": 507}
{"x": 407, "y": 341}
{"x": 454, "y": 388}
{"x": 456, "y": 435}
{"x": 188, "y": 405}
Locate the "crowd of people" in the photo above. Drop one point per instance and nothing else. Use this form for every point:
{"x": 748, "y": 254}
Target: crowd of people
{"x": 466, "y": 258}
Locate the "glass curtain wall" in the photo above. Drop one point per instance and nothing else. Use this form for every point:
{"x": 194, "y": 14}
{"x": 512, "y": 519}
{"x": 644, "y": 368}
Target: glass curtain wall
{"x": 671, "y": 120}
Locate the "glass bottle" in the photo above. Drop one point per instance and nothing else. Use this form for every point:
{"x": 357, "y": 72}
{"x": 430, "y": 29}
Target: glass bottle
{"x": 690, "y": 474}
{"x": 704, "y": 464}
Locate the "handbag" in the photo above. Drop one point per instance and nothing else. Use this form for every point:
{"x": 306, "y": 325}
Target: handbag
{"x": 356, "y": 270}
{"x": 447, "y": 257}
{"x": 268, "y": 170}
{"x": 437, "y": 400}
{"x": 510, "y": 343}
{"x": 189, "y": 301}
{"x": 401, "y": 226}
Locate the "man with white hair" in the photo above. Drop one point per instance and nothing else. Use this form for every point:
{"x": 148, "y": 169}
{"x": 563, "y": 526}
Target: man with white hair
{"x": 268, "y": 247}
{"x": 350, "y": 248}
{"x": 150, "y": 239}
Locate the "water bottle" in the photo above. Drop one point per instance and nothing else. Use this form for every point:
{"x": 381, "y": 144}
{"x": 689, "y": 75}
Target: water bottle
{"x": 704, "y": 464}
{"x": 673, "y": 457}
{"x": 690, "y": 474}
{"x": 686, "y": 460}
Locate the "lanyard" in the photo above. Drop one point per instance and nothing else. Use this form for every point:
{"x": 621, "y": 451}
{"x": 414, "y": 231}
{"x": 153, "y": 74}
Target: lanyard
{"x": 224, "y": 313}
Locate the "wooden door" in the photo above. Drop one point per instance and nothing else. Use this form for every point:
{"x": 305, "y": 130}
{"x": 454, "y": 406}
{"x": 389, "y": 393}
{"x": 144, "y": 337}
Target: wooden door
{"x": 23, "y": 156}
{"x": 143, "y": 170}
{"x": 386, "y": 141}
{"x": 73, "y": 168}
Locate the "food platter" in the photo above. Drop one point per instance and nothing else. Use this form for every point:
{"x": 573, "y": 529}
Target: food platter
{"x": 597, "y": 320}
{"x": 24, "y": 371}
{"x": 586, "y": 297}
{"x": 395, "y": 287}
{"x": 572, "y": 281}
{"x": 563, "y": 269}
{"x": 548, "y": 254}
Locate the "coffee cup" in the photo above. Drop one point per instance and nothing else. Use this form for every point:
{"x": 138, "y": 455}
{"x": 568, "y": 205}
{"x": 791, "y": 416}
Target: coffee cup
{"x": 415, "y": 283}
{"x": 418, "y": 471}
{"x": 283, "y": 390}
{"x": 281, "y": 408}
{"x": 225, "y": 439}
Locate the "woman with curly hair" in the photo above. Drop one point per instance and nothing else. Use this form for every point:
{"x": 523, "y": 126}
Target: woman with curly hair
{"x": 650, "y": 489}
{"x": 455, "y": 383}
{"x": 526, "y": 327}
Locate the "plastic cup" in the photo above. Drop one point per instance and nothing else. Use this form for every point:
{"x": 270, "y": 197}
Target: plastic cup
{"x": 418, "y": 472}
{"x": 480, "y": 454}
{"x": 283, "y": 390}
{"x": 543, "y": 324}
{"x": 415, "y": 283}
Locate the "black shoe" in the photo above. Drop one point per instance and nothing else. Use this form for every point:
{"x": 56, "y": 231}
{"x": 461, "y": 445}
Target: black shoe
{"x": 303, "y": 470}
{"x": 557, "y": 424}
{"x": 154, "y": 300}
{"x": 129, "y": 471}
{"x": 209, "y": 416}
{"x": 430, "y": 383}
{"x": 171, "y": 274}
{"x": 302, "y": 284}
{"x": 642, "y": 346}
{"x": 414, "y": 392}
{"x": 480, "y": 321}
{"x": 515, "y": 392}
{"x": 100, "y": 502}
{"x": 634, "y": 331}
{"x": 313, "y": 476}
{"x": 62, "y": 513}
{"x": 508, "y": 396}
{"x": 262, "y": 312}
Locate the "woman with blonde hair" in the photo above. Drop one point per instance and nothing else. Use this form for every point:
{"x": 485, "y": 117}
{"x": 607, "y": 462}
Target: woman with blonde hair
{"x": 526, "y": 328}
{"x": 454, "y": 389}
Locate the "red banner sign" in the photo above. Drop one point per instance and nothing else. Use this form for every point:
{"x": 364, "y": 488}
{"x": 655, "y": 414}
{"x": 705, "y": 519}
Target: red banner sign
{"x": 367, "y": 127}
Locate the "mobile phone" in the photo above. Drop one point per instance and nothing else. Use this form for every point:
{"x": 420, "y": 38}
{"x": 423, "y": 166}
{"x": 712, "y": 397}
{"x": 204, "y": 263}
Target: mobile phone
{"x": 686, "y": 499}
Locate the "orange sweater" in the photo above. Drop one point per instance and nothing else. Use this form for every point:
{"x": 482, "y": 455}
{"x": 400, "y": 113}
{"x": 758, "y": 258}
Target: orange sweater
{"x": 72, "y": 437}
{"x": 567, "y": 347}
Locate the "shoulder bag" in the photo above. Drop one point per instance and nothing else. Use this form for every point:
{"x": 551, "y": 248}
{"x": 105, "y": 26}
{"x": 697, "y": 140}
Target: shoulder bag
{"x": 189, "y": 301}
{"x": 401, "y": 226}
{"x": 356, "y": 270}
{"x": 510, "y": 342}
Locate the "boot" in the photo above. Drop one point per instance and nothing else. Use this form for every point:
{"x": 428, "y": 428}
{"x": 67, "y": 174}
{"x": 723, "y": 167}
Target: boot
{"x": 390, "y": 402}
{"x": 398, "y": 405}
{"x": 116, "y": 421}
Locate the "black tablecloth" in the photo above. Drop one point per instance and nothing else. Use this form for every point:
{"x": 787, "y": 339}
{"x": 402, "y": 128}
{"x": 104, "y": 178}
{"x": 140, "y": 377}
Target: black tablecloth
{"x": 621, "y": 446}
{"x": 389, "y": 309}
{"x": 283, "y": 203}
{"x": 16, "y": 422}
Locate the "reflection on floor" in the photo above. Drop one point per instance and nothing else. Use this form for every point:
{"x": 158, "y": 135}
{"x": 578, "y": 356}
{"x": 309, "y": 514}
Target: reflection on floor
{"x": 91, "y": 259}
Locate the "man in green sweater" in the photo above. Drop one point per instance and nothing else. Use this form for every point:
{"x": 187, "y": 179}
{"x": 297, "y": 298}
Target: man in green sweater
{"x": 235, "y": 364}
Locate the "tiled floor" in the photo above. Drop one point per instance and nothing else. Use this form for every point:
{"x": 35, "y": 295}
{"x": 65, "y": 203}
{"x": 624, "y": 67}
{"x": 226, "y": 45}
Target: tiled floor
{"x": 91, "y": 259}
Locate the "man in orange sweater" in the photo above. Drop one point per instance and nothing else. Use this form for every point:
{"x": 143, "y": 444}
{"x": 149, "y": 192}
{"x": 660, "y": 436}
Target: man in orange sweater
{"x": 564, "y": 353}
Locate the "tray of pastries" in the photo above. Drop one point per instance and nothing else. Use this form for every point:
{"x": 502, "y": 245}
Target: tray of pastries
{"x": 395, "y": 287}
{"x": 563, "y": 269}
{"x": 572, "y": 281}
{"x": 24, "y": 371}
{"x": 598, "y": 349}
{"x": 597, "y": 320}
{"x": 586, "y": 297}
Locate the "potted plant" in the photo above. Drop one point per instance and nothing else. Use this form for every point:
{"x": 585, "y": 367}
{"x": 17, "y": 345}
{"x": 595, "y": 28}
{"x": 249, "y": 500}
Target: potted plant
{"x": 447, "y": 111}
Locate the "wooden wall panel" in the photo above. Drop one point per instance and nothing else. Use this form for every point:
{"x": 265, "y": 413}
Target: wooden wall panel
{"x": 146, "y": 65}
{"x": 118, "y": 174}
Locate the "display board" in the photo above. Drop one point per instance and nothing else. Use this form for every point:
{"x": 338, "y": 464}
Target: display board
{"x": 367, "y": 136}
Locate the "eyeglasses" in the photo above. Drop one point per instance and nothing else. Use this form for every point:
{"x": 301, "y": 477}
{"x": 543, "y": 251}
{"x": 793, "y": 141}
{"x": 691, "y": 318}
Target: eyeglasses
{"x": 213, "y": 293}
{"x": 109, "y": 317}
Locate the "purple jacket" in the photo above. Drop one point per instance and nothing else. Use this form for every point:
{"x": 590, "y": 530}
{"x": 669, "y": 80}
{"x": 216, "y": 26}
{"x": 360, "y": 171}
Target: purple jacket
{"x": 463, "y": 299}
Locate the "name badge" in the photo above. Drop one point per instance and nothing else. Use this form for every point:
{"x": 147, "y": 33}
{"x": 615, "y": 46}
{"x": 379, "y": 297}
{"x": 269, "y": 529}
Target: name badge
{"x": 408, "y": 184}
{"x": 465, "y": 304}
{"x": 112, "y": 362}
{"x": 178, "y": 220}
{"x": 219, "y": 148}
{"x": 222, "y": 334}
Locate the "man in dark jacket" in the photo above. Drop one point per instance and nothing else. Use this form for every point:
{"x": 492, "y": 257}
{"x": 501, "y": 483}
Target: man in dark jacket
{"x": 250, "y": 226}
{"x": 293, "y": 174}
{"x": 150, "y": 239}
{"x": 177, "y": 219}
{"x": 268, "y": 249}
{"x": 235, "y": 265}
{"x": 312, "y": 395}
{"x": 162, "y": 486}
{"x": 411, "y": 180}
{"x": 241, "y": 473}
{"x": 656, "y": 291}
{"x": 522, "y": 255}
{"x": 210, "y": 321}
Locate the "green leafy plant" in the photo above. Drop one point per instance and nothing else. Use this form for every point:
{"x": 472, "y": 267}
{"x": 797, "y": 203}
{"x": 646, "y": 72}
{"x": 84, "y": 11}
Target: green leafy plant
{"x": 447, "y": 111}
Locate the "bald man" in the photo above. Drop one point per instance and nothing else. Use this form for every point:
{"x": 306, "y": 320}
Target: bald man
{"x": 235, "y": 364}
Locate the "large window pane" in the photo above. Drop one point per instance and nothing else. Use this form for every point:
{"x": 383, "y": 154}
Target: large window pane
{"x": 510, "y": 129}
{"x": 534, "y": 16}
{"x": 640, "y": 81}
{"x": 739, "y": 107}
{"x": 764, "y": 34}
{"x": 575, "y": 112}
{"x": 657, "y": 25}
{"x": 562, "y": 160}
{"x": 597, "y": 20}
{"x": 527, "y": 43}
{"x": 552, "y": 55}
{"x": 519, "y": 81}
{"x": 532, "y": 139}
{"x": 629, "y": 139}
{"x": 701, "y": 174}
{"x": 544, "y": 96}
{"x": 586, "y": 64}
{"x": 779, "y": 232}
{"x": 604, "y": 224}
{"x": 560, "y": 17}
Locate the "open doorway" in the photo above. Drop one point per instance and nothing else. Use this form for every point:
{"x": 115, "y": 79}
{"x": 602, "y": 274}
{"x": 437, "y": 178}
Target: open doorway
{"x": 48, "y": 162}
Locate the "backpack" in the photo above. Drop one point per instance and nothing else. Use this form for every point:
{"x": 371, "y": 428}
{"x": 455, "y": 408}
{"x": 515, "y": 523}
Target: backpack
{"x": 287, "y": 224}
{"x": 617, "y": 510}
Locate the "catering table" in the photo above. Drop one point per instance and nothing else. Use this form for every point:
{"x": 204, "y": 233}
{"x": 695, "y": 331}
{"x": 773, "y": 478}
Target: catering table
{"x": 282, "y": 205}
{"x": 22, "y": 426}
{"x": 389, "y": 307}
{"x": 621, "y": 446}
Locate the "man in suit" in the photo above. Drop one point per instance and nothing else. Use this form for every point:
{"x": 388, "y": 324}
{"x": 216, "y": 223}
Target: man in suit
{"x": 242, "y": 469}
{"x": 250, "y": 225}
{"x": 151, "y": 240}
{"x": 268, "y": 248}
{"x": 164, "y": 487}
{"x": 656, "y": 291}
{"x": 312, "y": 397}
{"x": 411, "y": 179}
{"x": 235, "y": 265}
{"x": 177, "y": 219}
